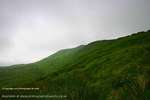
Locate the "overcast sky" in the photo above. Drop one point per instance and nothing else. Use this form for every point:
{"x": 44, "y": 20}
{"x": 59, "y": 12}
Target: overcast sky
{"x": 33, "y": 29}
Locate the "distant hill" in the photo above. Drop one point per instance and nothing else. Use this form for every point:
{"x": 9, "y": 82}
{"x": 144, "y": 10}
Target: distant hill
{"x": 102, "y": 70}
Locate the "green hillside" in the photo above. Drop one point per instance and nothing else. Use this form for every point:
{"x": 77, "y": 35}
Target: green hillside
{"x": 102, "y": 70}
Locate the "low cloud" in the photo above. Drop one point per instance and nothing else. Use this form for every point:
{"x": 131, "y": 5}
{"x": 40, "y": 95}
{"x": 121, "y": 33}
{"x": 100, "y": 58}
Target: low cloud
{"x": 33, "y": 29}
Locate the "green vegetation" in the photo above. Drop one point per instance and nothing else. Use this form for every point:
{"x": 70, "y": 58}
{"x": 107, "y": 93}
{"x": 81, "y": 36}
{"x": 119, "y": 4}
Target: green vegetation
{"x": 102, "y": 70}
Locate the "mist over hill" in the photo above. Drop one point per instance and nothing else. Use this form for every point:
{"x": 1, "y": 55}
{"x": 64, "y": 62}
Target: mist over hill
{"x": 116, "y": 69}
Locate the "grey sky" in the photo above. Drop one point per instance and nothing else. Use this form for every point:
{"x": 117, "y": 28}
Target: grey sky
{"x": 33, "y": 29}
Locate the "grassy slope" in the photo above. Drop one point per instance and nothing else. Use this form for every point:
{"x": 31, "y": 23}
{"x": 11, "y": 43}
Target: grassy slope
{"x": 103, "y": 70}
